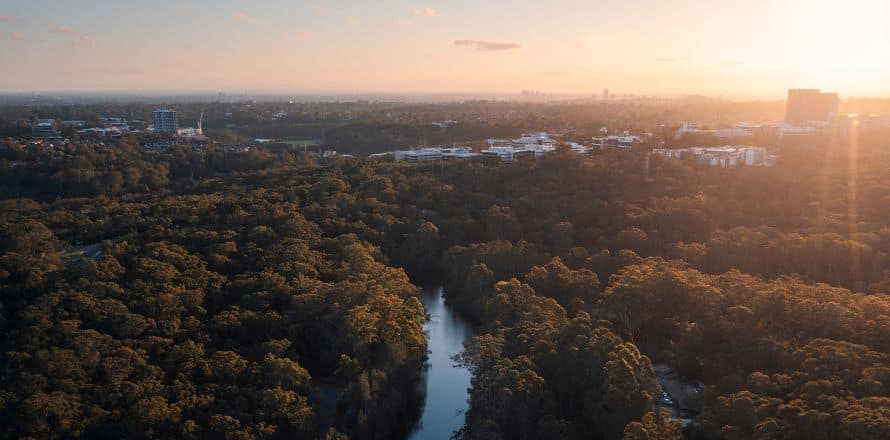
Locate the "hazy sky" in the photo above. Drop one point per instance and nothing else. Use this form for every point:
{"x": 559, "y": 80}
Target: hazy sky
{"x": 717, "y": 47}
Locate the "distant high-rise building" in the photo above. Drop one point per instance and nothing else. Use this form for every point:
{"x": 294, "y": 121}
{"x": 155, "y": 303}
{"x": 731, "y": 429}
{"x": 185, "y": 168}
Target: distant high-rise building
{"x": 44, "y": 128}
{"x": 811, "y": 105}
{"x": 605, "y": 94}
{"x": 165, "y": 121}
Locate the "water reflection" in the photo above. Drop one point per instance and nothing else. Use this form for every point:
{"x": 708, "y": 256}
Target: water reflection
{"x": 446, "y": 384}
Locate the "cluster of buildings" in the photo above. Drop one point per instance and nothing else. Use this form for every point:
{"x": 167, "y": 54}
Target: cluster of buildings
{"x": 778, "y": 130}
{"x": 108, "y": 127}
{"x": 853, "y": 124}
{"x": 166, "y": 121}
{"x": 808, "y": 112}
{"x": 499, "y": 150}
{"x": 503, "y": 151}
{"x": 723, "y": 157}
{"x": 602, "y": 143}
{"x": 528, "y": 145}
{"x": 163, "y": 121}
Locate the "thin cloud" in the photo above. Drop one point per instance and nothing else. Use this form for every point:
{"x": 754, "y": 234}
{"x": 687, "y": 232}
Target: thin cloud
{"x": 487, "y": 46}
{"x": 15, "y": 36}
{"x": 83, "y": 41}
{"x": 64, "y": 30}
{"x": 424, "y": 11}
{"x": 243, "y": 17}
{"x": 6, "y": 19}
{"x": 666, "y": 60}
{"x": 186, "y": 8}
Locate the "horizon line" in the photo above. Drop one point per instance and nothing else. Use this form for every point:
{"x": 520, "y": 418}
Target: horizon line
{"x": 543, "y": 96}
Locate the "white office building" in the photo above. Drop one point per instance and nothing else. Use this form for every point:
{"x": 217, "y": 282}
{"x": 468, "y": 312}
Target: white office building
{"x": 724, "y": 157}
{"x": 458, "y": 153}
{"x": 430, "y": 154}
{"x": 118, "y": 124}
{"x": 783, "y": 130}
{"x": 740, "y": 130}
{"x": 507, "y": 154}
{"x": 615, "y": 141}
{"x": 578, "y": 148}
{"x": 540, "y": 142}
{"x": 528, "y": 145}
{"x": 669, "y": 154}
{"x": 417, "y": 156}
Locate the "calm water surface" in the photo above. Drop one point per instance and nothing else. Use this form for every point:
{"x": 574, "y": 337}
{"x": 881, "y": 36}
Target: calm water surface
{"x": 446, "y": 384}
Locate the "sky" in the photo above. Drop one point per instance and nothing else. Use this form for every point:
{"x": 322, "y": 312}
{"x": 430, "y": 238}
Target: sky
{"x": 753, "y": 48}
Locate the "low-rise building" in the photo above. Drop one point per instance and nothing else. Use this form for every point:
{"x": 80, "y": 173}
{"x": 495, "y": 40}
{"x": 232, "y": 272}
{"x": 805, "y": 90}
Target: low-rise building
{"x": 417, "y": 156}
{"x": 44, "y": 128}
{"x": 429, "y": 154}
{"x": 727, "y": 156}
{"x": 578, "y": 148}
{"x": 540, "y": 142}
{"x": 616, "y": 141}
{"x": 793, "y": 130}
{"x": 669, "y": 154}
{"x": 459, "y": 153}
{"x": 506, "y": 154}
{"x": 740, "y": 130}
{"x": 874, "y": 122}
{"x": 862, "y": 124}
{"x": 119, "y": 124}
{"x": 74, "y": 123}
{"x": 528, "y": 145}
{"x": 445, "y": 124}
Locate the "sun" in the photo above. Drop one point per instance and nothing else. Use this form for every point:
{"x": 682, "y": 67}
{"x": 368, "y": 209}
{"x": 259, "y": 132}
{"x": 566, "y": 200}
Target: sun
{"x": 840, "y": 43}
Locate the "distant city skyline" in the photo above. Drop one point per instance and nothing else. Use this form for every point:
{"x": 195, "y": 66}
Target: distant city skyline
{"x": 756, "y": 48}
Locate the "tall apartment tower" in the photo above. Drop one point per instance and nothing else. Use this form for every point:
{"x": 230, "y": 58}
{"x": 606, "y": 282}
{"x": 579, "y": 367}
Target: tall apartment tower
{"x": 165, "y": 121}
{"x": 811, "y": 105}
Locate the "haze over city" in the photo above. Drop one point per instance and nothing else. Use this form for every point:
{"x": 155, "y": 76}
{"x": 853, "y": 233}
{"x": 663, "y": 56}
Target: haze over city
{"x": 756, "y": 48}
{"x": 431, "y": 220}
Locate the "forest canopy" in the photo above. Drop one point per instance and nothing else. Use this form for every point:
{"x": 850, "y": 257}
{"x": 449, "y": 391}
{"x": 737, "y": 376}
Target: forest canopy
{"x": 193, "y": 295}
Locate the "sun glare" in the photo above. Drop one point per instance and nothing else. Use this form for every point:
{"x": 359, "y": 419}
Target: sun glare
{"x": 843, "y": 43}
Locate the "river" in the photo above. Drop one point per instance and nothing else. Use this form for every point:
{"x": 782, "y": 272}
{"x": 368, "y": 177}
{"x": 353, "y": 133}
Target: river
{"x": 445, "y": 383}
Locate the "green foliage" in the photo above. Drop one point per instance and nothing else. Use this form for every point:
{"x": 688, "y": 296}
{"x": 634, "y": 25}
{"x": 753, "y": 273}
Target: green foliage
{"x": 191, "y": 295}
